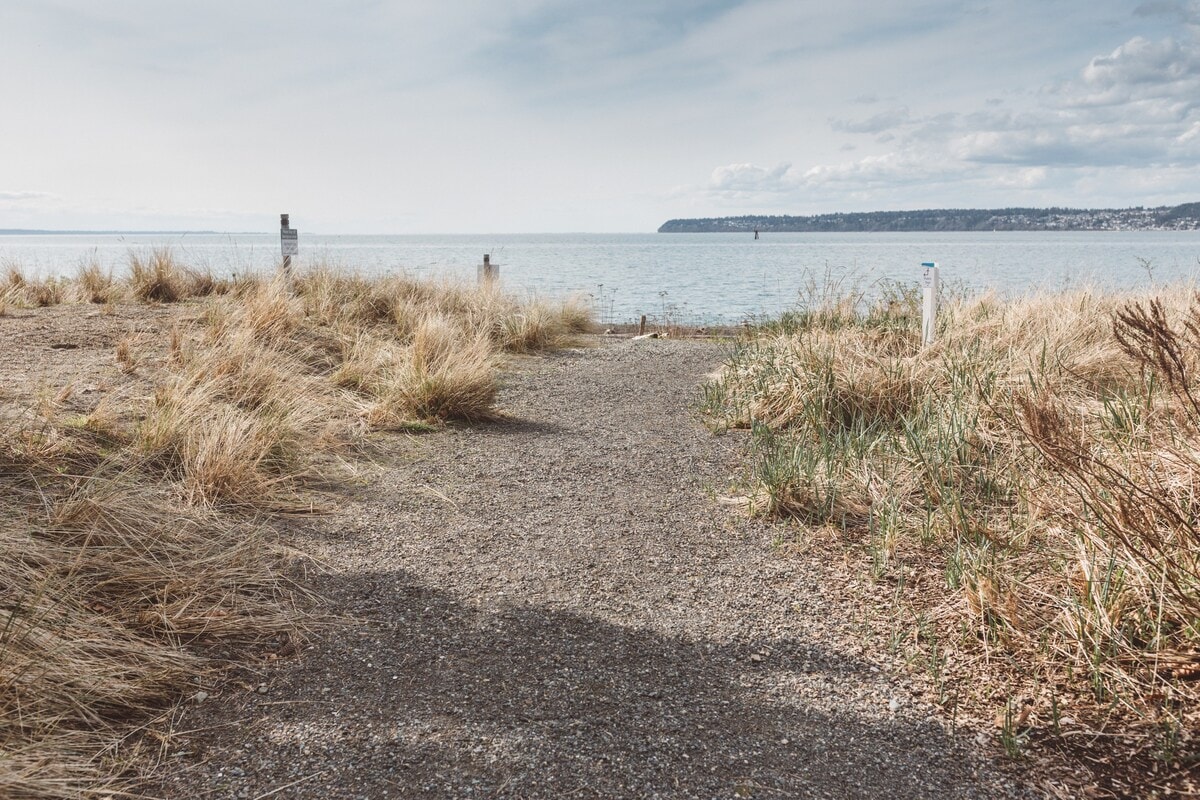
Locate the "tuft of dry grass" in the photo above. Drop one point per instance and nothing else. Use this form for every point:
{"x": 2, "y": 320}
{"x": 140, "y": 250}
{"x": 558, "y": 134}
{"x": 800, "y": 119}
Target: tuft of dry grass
{"x": 96, "y": 284}
{"x": 449, "y": 374}
{"x": 45, "y": 292}
{"x": 534, "y": 328}
{"x": 202, "y": 282}
{"x": 127, "y": 361}
{"x": 233, "y": 429}
{"x": 1026, "y": 483}
{"x": 21, "y": 290}
{"x": 341, "y": 299}
{"x": 576, "y": 316}
{"x": 108, "y": 589}
{"x": 14, "y": 276}
{"x": 269, "y": 310}
{"x": 156, "y": 276}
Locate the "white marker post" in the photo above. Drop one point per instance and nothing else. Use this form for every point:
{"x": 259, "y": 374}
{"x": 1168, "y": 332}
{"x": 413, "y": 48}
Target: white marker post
{"x": 933, "y": 286}
{"x": 289, "y": 243}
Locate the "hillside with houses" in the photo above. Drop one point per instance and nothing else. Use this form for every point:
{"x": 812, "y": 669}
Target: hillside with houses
{"x": 1183, "y": 217}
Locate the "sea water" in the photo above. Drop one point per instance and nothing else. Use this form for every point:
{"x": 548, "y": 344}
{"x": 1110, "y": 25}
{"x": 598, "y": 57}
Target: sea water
{"x": 698, "y": 278}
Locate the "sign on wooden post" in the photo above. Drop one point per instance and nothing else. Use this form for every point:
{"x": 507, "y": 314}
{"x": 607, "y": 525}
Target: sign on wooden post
{"x": 289, "y": 241}
{"x": 932, "y": 286}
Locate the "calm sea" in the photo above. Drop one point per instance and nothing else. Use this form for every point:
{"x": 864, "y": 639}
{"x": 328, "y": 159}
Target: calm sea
{"x": 696, "y": 278}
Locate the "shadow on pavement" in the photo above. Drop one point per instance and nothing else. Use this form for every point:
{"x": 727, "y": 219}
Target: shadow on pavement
{"x": 431, "y": 696}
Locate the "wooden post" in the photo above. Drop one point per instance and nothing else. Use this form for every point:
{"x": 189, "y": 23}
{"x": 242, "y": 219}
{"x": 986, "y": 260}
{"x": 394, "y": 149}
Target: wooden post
{"x": 488, "y": 272}
{"x": 289, "y": 243}
{"x": 932, "y": 286}
{"x": 642, "y": 326}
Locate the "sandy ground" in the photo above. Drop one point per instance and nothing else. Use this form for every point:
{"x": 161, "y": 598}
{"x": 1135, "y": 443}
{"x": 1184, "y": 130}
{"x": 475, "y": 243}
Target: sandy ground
{"x": 69, "y": 351}
{"x": 559, "y": 605}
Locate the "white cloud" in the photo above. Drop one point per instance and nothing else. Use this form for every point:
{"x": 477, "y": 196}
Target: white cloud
{"x": 1138, "y": 70}
{"x": 748, "y": 178}
{"x": 878, "y": 123}
{"x": 1185, "y": 12}
{"x": 24, "y": 197}
{"x": 1135, "y": 108}
{"x": 1026, "y": 178}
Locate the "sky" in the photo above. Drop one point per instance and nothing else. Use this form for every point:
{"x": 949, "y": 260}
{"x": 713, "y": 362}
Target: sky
{"x": 521, "y": 116}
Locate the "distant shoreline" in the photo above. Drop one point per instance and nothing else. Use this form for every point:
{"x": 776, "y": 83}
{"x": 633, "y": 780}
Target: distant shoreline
{"x": 1185, "y": 217}
{"x": 39, "y": 232}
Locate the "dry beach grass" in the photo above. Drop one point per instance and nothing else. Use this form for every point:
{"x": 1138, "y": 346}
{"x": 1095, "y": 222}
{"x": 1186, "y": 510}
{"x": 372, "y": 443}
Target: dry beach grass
{"x": 149, "y": 433}
{"x": 1023, "y": 490}
{"x": 1019, "y": 494}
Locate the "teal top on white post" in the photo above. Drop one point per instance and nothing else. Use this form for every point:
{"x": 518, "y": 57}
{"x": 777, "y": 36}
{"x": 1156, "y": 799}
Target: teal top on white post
{"x": 933, "y": 285}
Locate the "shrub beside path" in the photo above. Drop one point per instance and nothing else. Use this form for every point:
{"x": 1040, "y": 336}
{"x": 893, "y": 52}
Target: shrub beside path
{"x": 557, "y": 605}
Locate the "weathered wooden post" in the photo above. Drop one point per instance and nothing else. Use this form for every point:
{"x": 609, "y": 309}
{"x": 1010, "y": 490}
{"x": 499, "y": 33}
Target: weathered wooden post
{"x": 642, "y": 326}
{"x": 289, "y": 243}
{"x": 932, "y": 286}
{"x": 488, "y": 272}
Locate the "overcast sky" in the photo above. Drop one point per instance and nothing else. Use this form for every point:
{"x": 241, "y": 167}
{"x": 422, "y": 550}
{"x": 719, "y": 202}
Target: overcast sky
{"x": 492, "y": 116}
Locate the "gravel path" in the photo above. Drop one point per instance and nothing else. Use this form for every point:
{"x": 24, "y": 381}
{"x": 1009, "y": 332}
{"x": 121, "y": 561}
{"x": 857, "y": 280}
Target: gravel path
{"x": 557, "y": 606}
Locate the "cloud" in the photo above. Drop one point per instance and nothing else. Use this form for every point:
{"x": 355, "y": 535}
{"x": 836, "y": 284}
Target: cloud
{"x": 1134, "y": 108}
{"x": 883, "y": 121}
{"x": 561, "y": 51}
{"x": 1188, "y": 13}
{"x": 749, "y": 181}
{"x": 1026, "y": 178}
{"x": 696, "y": 49}
{"x": 1138, "y": 70}
{"x": 752, "y": 179}
{"x": 889, "y": 169}
{"x": 16, "y": 199}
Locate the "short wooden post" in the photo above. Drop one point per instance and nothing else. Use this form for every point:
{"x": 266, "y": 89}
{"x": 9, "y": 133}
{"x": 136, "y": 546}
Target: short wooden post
{"x": 642, "y": 326}
{"x": 488, "y": 272}
{"x": 932, "y": 286}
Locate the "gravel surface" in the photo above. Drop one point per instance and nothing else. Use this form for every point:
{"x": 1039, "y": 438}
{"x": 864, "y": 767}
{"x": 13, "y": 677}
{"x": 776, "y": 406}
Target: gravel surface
{"x": 557, "y": 605}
